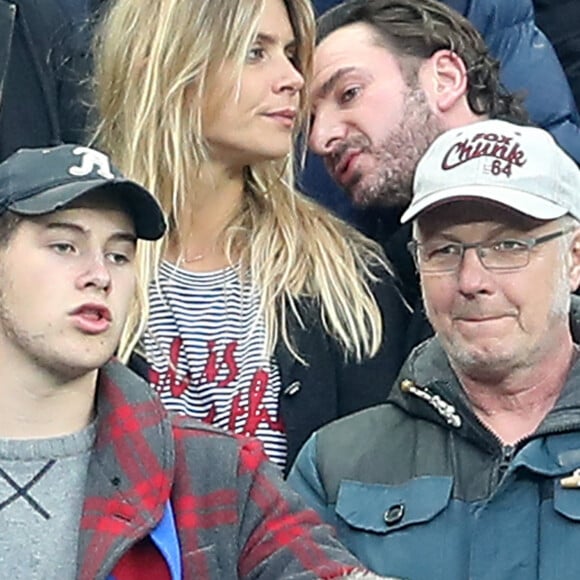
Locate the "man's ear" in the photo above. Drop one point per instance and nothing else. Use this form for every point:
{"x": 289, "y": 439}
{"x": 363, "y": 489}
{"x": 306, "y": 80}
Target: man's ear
{"x": 444, "y": 78}
{"x": 574, "y": 273}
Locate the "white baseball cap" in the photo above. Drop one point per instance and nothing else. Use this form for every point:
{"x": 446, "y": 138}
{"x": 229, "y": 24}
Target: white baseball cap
{"x": 519, "y": 167}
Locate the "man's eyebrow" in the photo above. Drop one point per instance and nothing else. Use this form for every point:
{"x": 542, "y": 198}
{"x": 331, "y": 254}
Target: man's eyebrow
{"x": 328, "y": 86}
{"x": 70, "y": 226}
{"x": 78, "y": 229}
{"x": 124, "y": 237}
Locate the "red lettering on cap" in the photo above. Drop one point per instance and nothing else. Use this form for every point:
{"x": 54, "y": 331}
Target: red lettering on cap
{"x": 499, "y": 147}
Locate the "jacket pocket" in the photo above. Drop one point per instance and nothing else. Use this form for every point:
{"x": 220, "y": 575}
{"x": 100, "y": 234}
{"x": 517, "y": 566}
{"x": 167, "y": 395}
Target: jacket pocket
{"x": 383, "y": 509}
{"x": 567, "y": 502}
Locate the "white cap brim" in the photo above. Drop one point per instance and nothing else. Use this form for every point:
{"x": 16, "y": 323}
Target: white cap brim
{"x": 521, "y": 201}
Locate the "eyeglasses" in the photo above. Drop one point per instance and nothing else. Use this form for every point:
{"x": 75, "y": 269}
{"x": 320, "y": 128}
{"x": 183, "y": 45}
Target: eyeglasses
{"x": 505, "y": 254}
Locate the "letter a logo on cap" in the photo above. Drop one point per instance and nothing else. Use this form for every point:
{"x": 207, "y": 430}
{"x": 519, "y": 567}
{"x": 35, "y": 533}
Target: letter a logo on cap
{"x": 91, "y": 160}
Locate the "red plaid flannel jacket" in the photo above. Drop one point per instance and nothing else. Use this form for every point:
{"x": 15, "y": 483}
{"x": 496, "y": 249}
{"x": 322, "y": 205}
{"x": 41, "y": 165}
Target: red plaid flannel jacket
{"x": 234, "y": 516}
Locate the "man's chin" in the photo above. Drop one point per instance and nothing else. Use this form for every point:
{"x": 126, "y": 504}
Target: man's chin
{"x": 361, "y": 199}
{"x": 360, "y": 194}
{"x": 376, "y": 198}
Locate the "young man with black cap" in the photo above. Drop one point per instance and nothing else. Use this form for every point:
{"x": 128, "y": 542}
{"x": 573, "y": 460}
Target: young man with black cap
{"x": 96, "y": 481}
{"x": 471, "y": 469}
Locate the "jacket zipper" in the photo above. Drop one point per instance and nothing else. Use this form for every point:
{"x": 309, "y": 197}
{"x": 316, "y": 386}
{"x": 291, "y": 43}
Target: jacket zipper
{"x": 455, "y": 417}
{"x": 507, "y": 454}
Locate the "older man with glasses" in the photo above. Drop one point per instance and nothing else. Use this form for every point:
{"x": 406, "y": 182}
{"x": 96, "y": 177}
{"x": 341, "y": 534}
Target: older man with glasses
{"x": 471, "y": 469}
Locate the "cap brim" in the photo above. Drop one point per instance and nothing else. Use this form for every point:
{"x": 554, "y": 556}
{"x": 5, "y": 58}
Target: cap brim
{"x": 516, "y": 199}
{"x": 144, "y": 209}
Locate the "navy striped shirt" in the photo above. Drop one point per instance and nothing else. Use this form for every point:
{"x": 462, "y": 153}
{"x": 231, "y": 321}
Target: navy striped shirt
{"x": 205, "y": 344}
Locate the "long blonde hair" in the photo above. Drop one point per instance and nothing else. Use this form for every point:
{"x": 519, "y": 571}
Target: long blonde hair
{"x": 154, "y": 60}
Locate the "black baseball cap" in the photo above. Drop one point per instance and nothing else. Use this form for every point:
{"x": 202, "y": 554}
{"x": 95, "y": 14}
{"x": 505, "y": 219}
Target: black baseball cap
{"x": 43, "y": 180}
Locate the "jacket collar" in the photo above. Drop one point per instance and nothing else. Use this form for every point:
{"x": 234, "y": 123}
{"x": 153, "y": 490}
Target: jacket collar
{"x": 130, "y": 472}
{"x": 428, "y": 388}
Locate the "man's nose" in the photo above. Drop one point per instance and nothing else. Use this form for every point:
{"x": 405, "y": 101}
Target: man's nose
{"x": 326, "y": 130}
{"x": 95, "y": 274}
{"x": 473, "y": 276}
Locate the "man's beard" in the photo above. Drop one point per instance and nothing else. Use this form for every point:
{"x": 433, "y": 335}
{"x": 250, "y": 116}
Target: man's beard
{"x": 396, "y": 157}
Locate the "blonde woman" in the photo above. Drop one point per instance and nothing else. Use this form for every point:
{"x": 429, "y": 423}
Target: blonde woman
{"x": 268, "y": 316}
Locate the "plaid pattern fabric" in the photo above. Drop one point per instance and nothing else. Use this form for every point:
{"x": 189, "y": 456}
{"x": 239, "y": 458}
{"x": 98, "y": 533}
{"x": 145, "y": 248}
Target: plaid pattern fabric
{"x": 235, "y": 516}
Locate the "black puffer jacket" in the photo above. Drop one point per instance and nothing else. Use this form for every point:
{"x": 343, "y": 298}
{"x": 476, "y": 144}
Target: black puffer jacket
{"x": 43, "y": 74}
{"x": 560, "y": 21}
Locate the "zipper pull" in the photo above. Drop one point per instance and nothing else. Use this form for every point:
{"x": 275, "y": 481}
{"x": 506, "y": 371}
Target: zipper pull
{"x": 572, "y": 481}
{"x": 507, "y": 455}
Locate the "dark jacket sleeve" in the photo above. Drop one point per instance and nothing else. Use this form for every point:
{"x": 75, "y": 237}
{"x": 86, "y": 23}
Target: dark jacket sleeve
{"x": 72, "y": 65}
{"x": 44, "y": 71}
{"x": 367, "y": 383}
{"x": 328, "y": 385}
{"x": 560, "y": 20}
{"x": 528, "y": 65}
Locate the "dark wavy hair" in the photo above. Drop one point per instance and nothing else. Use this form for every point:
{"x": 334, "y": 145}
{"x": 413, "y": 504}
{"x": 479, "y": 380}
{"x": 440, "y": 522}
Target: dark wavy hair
{"x": 414, "y": 30}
